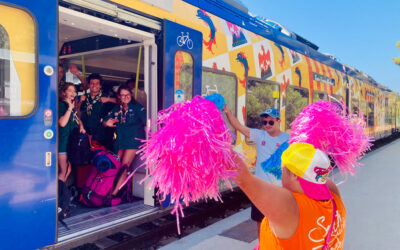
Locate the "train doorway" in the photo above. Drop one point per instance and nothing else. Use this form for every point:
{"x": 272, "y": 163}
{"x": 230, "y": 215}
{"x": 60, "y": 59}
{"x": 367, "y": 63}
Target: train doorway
{"x": 120, "y": 54}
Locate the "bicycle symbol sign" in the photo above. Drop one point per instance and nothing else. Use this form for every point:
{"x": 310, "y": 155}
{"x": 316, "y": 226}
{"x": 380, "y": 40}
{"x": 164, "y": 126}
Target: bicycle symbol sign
{"x": 184, "y": 39}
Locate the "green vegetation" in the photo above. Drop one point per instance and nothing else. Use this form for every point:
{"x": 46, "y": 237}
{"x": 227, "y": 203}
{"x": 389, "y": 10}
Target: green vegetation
{"x": 296, "y": 100}
{"x": 259, "y": 97}
{"x": 186, "y": 80}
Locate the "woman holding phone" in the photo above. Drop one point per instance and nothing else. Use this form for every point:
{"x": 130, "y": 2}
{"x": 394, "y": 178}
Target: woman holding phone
{"x": 67, "y": 121}
{"x": 130, "y": 119}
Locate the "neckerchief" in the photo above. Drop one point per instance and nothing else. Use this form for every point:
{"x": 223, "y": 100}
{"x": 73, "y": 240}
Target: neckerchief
{"x": 122, "y": 114}
{"x": 91, "y": 101}
{"x": 75, "y": 115}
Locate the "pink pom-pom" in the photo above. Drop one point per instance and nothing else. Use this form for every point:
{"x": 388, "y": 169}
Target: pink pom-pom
{"x": 189, "y": 154}
{"x": 326, "y": 125}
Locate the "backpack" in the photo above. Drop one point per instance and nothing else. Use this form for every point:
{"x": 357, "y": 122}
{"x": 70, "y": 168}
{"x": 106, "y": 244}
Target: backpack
{"x": 78, "y": 150}
{"x": 99, "y": 185}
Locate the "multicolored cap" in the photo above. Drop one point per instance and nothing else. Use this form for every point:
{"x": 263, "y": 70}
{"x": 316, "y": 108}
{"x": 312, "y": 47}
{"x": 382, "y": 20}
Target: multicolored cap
{"x": 271, "y": 112}
{"x": 312, "y": 166}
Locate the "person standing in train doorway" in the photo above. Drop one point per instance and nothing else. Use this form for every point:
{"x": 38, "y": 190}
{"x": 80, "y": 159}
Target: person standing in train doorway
{"x": 94, "y": 106}
{"x": 129, "y": 118}
{"x": 268, "y": 140}
{"x": 67, "y": 121}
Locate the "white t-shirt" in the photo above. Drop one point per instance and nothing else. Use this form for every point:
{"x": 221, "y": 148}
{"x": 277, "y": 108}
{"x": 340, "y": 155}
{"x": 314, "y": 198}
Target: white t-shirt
{"x": 266, "y": 146}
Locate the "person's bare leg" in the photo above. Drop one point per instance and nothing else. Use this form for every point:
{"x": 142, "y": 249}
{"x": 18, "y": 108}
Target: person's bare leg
{"x": 64, "y": 170}
{"x": 127, "y": 156}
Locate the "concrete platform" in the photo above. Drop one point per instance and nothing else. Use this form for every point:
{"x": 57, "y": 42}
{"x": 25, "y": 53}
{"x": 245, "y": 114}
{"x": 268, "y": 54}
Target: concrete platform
{"x": 372, "y": 201}
{"x": 236, "y": 232}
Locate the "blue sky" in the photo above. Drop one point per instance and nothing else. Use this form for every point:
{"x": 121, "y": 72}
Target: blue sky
{"x": 362, "y": 34}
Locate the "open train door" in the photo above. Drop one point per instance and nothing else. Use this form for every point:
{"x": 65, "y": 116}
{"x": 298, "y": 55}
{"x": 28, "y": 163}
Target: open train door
{"x": 182, "y": 62}
{"x": 28, "y": 122}
{"x": 182, "y": 65}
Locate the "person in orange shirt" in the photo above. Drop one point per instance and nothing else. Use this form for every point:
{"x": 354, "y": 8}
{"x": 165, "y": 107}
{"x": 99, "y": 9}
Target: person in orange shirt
{"x": 307, "y": 211}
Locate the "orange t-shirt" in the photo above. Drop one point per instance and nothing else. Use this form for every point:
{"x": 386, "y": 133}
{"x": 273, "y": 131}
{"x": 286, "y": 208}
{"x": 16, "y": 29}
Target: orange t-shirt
{"x": 315, "y": 219}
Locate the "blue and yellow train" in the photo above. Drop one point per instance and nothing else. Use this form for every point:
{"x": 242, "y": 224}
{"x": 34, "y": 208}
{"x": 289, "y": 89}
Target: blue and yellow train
{"x": 176, "y": 49}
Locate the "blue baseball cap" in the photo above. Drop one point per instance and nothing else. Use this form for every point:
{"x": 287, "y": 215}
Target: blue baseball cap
{"x": 271, "y": 112}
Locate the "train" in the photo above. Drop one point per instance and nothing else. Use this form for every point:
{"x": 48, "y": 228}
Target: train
{"x": 176, "y": 49}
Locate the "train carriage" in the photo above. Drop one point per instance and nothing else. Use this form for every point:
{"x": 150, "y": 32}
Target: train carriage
{"x": 174, "y": 49}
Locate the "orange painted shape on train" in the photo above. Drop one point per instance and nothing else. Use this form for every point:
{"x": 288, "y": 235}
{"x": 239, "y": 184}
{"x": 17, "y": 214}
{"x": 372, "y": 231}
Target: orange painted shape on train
{"x": 330, "y": 75}
{"x": 285, "y": 83}
{"x": 178, "y": 63}
{"x": 310, "y": 76}
{"x": 215, "y": 65}
{"x": 324, "y": 73}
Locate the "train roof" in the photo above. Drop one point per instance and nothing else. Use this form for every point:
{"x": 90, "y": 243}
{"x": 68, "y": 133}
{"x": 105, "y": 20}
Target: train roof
{"x": 235, "y": 12}
{"x": 237, "y": 4}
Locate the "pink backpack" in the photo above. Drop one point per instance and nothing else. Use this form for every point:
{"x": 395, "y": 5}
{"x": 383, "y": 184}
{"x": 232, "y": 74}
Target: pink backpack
{"x": 99, "y": 185}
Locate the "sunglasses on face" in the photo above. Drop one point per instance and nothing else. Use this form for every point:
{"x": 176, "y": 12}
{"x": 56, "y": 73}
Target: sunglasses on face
{"x": 268, "y": 122}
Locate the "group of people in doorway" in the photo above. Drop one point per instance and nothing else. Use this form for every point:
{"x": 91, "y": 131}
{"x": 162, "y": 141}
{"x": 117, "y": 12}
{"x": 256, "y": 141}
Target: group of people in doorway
{"x": 117, "y": 123}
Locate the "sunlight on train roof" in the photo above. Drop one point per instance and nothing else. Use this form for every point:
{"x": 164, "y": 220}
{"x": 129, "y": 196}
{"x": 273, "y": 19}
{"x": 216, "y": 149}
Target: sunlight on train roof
{"x": 280, "y": 28}
{"x": 237, "y": 4}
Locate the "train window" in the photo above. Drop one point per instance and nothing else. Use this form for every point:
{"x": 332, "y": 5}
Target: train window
{"x": 224, "y": 83}
{"x": 355, "y": 106}
{"x": 363, "y": 108}
{"x": 260, "y": 95}
{"x": 370, "y": 114}
{"x": 183, "y": 80}
{"x": 335, "y": 98}
{"x": 388, "y": 117}
{"x": 318, "y": 96}
{"x": 397, "y": 111}
{"x": 4, "y": 72}
{"x": 17, "y": 62}
{"x": 296, "y": 100}
{"x": 392, "y": 115}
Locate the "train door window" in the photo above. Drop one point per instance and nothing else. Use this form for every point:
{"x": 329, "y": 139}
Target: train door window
{"x": 222, "y": 82}
{"x": 17, "y": 62}
{"x": 183, "y": 79}
{"x": 318, "y": 96}
{"x": 260, "y": 95}
{"x": 370, "y": 114}
{"x": 296, "y": 100}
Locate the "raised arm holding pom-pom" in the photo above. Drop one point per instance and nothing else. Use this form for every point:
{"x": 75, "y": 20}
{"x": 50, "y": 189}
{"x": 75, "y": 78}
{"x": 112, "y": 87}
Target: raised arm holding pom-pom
{"x": 235, "y": 122}
{"x": 275, "y": 202}
{"x": 267, "y": 139}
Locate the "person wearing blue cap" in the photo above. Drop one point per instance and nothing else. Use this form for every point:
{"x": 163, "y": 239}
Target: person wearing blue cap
{"x": 268, "y": 139}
